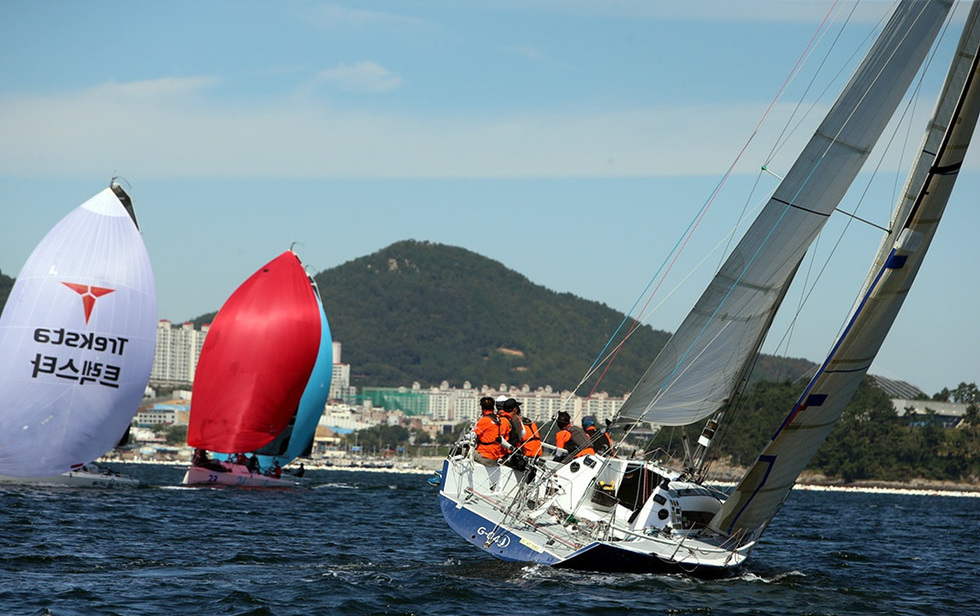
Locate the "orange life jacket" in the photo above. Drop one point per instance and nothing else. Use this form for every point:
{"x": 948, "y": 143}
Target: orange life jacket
{"x": 601, "y": 441}
{"x": 511, "y": 428}
{"x": 532, "y": 439}
{"x": 489, "y": 431}
{"x": 573, "y": 439}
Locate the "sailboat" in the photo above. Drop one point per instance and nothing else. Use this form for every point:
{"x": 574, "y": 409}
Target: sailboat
{"x": 262, "y": 380}
{"x": 611, "y": 514}
{"x": 77, "y": 339}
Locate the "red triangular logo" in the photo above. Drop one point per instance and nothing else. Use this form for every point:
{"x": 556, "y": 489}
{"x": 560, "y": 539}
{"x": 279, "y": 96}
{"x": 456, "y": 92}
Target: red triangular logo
{"x": 89, "y": 294}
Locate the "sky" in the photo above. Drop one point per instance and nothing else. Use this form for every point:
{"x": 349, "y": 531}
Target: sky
{"x": 573, "y": 141}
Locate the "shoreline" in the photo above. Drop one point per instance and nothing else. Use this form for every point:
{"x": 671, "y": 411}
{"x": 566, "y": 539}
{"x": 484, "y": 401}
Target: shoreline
{"x": 728, "y": 478}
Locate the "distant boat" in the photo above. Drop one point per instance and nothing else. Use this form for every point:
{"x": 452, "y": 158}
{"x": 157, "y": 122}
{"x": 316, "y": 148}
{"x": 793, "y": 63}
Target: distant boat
{"x": 262, "y": 379}
{"x": 90, "y": 475}
{"x": 77, "y": 338}
{"x": 597, "y": 512}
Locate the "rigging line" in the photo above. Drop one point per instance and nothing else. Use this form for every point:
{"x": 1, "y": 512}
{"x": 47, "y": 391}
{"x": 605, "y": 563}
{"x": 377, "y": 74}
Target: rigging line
{"x": 781, "y": 140}
{"x": 808, "y": 51}
{"x": 679, "y": 284}
{"x": 812, "y": 288}
{"x": 727, "y": 237}
{"x": 906, "y": 114}
{"x": 710, "y": 200}
{"x": 831, "y": 142}
{"x": 669, "y": 384}
{"x": 865, "y": 221}
{"x": 909, "y": 112}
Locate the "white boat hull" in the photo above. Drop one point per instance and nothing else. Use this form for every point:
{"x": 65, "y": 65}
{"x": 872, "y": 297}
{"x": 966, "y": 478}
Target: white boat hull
{"x": 559, "y": 520}
{"x": 75, "y": 479}
{"x": 234, "y": 475}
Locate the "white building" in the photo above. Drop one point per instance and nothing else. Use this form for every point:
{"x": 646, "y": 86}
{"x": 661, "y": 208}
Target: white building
{"x": 447, "y": 404}
{"x": 340, "y": 387}
{"x": 177, "y": 352}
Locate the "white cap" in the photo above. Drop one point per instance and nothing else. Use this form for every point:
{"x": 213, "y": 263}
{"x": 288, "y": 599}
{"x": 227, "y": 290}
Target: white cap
{"x": 501, "y": 398}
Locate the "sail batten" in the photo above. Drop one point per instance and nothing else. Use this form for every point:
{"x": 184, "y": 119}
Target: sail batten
{"x": 750, "y": 285}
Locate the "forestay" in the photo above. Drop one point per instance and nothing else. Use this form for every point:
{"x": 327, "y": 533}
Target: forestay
{"x": 708, "y": 357}
{"x": 759, "y": 495}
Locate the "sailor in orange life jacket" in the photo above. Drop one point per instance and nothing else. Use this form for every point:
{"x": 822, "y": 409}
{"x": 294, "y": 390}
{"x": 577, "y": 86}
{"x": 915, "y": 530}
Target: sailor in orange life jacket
{"x": 571, "y": 438}
{"x": 601, "y": 441}
{"x": 489, "y": 432}
{"x": 531, "y": 444}
{"x": 515, "y": 429}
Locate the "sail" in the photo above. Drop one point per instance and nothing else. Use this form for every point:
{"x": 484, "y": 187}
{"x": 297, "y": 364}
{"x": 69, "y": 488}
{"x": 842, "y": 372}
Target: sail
{"x": 312, "y": 402}
{"x": 256, "y": 360}
{"x": 708, "y": 357}
{"x": 761, "y": 492}
{"x": 77, "y": 338}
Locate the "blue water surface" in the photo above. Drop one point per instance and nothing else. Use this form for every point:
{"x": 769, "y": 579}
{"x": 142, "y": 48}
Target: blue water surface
{"x": 355, "y": 542}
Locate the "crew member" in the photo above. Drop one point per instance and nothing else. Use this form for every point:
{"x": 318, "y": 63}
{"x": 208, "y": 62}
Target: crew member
{"x": 600, "y": 439}
{"x": 515, "y": 429}
{"x": 571, "y": 438}
{"x": 531, "y": 444}
{"x": 489, "y": 432}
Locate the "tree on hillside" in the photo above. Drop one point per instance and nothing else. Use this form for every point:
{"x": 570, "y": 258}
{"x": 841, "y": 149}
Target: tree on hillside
{"x": 966, "y": 394}
{"x": 378, "y": 438}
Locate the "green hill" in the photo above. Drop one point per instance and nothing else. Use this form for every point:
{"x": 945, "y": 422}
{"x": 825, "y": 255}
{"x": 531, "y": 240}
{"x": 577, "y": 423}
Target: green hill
{"x": 6, "y": 284}
{"x": 418, "y": 311}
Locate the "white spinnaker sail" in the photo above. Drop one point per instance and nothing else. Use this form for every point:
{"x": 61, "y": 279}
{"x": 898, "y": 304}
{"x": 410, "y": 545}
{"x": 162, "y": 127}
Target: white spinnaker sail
{"x": 77, "y": 338}
{"x": 707, "y": 357}
{"x": 761, "y": 492}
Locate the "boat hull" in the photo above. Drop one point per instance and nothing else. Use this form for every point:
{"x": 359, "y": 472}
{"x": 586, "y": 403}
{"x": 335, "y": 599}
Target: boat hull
{"x": 74, "y": 479}
{"x": 235, "y": 475}
{"x": 495, "y": 510}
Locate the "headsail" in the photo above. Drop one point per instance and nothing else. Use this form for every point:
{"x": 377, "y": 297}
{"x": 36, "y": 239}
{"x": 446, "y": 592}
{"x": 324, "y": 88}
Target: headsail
{"x": 77, "y": 338}
{"x": 761, "y": 492}
{"x": 706, "y": 360}
{"x": 311, "y": 403}
{"x": 256, "y": 360}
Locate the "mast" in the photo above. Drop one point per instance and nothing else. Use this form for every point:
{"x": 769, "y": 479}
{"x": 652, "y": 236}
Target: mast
{"x": 703, "y": 364}
{"x": 759, "y": 495}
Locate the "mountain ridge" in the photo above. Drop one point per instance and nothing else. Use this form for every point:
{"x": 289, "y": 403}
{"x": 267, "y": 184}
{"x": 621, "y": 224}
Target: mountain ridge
{"x": 419, "y": 311}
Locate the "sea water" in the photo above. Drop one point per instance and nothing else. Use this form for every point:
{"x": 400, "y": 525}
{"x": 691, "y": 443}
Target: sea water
{"x": 355, "y": 542}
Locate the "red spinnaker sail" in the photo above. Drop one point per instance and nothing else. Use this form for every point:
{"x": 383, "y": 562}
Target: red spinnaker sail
{"x": 256, "y": 360}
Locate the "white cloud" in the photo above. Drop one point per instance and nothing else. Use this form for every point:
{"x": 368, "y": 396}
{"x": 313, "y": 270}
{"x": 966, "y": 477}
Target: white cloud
{"x": 152, "y": 88}
{"x": 365, "y": 76}
{"x": 333, "y": 17}
{"x": 530, "y": 52}
{"x": 163, "y": 130}
{"x": 705, "y": 10}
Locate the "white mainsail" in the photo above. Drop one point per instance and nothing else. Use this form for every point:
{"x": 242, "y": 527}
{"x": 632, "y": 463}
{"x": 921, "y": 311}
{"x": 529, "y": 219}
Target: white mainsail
{"x": 77, "y": 338}
{"x": 761, "y": 492}
{"x": 708, "y": 357}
